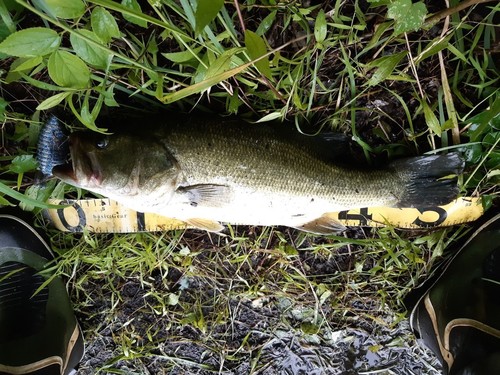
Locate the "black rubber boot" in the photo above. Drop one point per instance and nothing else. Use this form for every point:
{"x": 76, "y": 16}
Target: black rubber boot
{"x": 38, "y": 330}
{"x": 459, "y": 317}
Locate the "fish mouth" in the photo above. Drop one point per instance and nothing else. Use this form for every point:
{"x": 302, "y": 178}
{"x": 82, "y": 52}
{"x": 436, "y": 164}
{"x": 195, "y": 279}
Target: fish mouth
{"x": 83, "y": 170}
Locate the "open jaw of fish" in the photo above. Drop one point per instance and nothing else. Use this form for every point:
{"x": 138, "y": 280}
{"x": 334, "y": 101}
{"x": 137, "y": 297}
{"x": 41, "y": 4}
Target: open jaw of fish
{"x": 245, "y": 175}
{"x": 83, "y": 170}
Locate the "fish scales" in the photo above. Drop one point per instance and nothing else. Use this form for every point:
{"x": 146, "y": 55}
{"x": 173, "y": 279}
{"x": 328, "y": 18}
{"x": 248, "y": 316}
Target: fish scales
{"x": 206, "y": 173}
{"x": 256, "y": 160}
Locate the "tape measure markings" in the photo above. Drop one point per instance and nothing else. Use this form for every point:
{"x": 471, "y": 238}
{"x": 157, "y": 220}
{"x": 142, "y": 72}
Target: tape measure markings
{"x": 107, "y": 216}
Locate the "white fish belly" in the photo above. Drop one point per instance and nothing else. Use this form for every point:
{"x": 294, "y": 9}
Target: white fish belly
{"x": 247, "y": 207}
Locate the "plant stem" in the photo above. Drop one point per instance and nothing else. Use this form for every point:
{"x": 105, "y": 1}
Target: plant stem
{"x": 435, "y": 18}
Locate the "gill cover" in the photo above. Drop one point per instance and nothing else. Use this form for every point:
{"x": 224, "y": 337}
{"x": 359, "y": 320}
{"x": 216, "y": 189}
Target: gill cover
{"x": 120, "y": 164}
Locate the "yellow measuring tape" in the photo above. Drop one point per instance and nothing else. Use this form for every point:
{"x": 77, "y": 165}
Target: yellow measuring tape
{"x": 107, "y": 216}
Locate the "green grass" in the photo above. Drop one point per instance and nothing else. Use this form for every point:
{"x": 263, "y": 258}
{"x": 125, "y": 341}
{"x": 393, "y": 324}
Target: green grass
{"x": 398, "y": 86}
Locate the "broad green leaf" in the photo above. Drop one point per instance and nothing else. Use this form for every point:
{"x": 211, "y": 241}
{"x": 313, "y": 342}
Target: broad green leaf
{"x": 320, "y": 27}
{"x": 431, "y": 119}
{"x": 35, "y": 41}
{"x": 206, "y": 11}
{"x": 68, "y": 70}
{"x": 134, "y": 5}
{"x": 27, "y": 63}
{"x": 104, "y": 24}
{"x": 472, "y": 153}
{"x": 53, "y": 101}
{"x": 256, "y": 48}
{"x": 407, "y": 16}
{"x": 88, "y": 52}
{"x": 484, "y": 122}
{"x": 67, "y": 9}
{"x": 22, "y": 163}
{"x": 385, "y": 66}
{"x": 233, "y": 102}
{"x": 109, "y": 96}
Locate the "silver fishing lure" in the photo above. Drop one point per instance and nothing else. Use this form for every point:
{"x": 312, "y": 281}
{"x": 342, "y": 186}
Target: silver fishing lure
{"x": 53, "y": 147}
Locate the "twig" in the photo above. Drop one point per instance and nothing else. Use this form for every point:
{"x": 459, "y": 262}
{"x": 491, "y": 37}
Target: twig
{"x": 435, "y": 18}
{"x": 240, "y": 16}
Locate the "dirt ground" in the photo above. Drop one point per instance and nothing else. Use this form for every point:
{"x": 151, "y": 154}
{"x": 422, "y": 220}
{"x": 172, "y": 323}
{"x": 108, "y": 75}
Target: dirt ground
{"x": 273, "y": 334}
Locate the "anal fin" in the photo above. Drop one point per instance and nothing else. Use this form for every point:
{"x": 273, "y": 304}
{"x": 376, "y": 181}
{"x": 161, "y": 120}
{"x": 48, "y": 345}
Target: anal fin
{"x": 324, "y": 224}
{"x": 205, "y": 224}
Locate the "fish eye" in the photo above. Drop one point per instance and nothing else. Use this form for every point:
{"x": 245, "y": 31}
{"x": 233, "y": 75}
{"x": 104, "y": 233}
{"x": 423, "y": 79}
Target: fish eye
{"x": 102, "y": 143}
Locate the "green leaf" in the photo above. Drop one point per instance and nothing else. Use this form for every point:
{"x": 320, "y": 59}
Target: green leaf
{"x": 385, "y": 66}
{"x": 182, "y": 56}
{"x": 6, "y": 18}
{"x": 27, "y": 63}
{"x": 266, "y": 23}
{"x": 484, "y": 122}
{"x": 270, "y": 117}
{"x": 23, "y": 198}
{"x": 431, "y": 119}
{"x": 53, "y": 101}
{"x": 22, "y": 163}
{"x": 68, "y": 70}
{"x": 3, "y": 106}
{"x": 109, "y": 96}
{"x": 134, "y": 5}
{"x": 35, "y": 41}
{"x": 256, "y": 47}
{"x": 472, "y": 153}
{"x": 203, "y": 85}
{"x": 407, "y": 16}
{"x": 433, "y": 47}
{"x": 67, "y": 9}
{"x": 320, "y": 27}
{"x": 88, "y": 52}
{"x": 221, "y": 64}
{"x": 104, "y": 24}
{"x": 206, "y": 11}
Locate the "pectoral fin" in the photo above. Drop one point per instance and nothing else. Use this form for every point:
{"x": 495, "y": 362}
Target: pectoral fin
{"x": 205, "y": 224}
{"x": 323, "y": 225}
{"x": 208, "y": 195}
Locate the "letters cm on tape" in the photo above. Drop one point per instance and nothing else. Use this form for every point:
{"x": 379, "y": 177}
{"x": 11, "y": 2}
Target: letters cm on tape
{"x": 107, "y": 216}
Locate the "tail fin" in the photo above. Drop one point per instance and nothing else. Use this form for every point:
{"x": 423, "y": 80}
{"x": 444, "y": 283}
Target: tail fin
{"x": 430, "y": 180}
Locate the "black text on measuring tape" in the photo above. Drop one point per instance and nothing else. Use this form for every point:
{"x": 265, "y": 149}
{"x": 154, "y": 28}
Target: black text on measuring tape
{"x": 65, "y": 215}
{"x": 442, "y": 215}
{"x": 363, "y": 217}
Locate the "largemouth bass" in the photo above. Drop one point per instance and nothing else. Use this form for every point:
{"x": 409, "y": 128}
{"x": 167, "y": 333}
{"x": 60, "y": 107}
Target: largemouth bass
{"x": 208, "y": 173}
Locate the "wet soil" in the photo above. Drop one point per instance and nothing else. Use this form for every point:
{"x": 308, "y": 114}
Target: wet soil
{"x": 272, "y": 333}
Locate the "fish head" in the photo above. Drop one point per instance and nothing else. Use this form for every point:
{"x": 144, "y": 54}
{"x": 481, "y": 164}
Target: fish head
{"x": 120, "y": 166}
